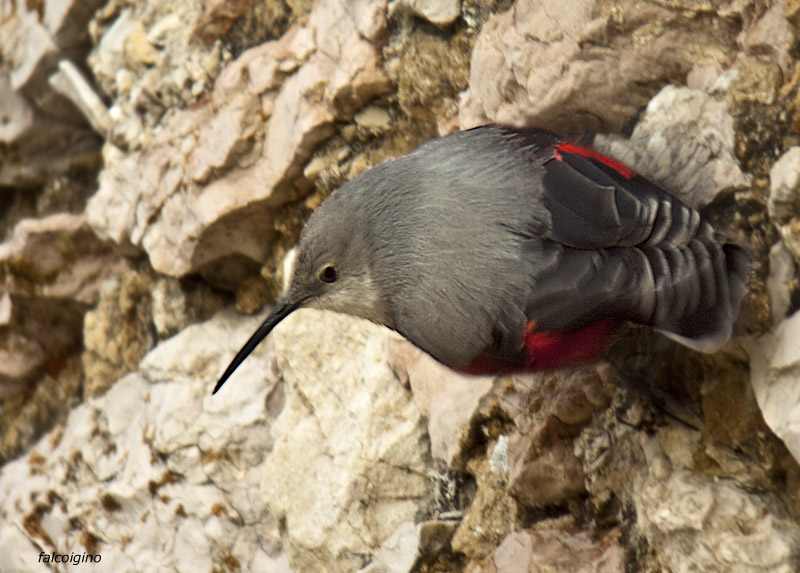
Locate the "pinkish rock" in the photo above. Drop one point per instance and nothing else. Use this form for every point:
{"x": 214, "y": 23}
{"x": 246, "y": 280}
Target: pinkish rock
{"x": 52, "y": 269}
{"x": 59, "y": 256}
{"x": 205, "y": 187}
{"x": 554, "y": 547}
{"x": 447, "y": 399}
{"x": 775, "y": 368}
{"x": 543, "y": 468}
{"x": 39, "y": 126}
{"x": 773, "y": 36}
{"x": 583, "y": 65}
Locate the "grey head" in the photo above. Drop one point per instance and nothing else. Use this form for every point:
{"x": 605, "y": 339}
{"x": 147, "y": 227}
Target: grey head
{"x": 332, "y": 272}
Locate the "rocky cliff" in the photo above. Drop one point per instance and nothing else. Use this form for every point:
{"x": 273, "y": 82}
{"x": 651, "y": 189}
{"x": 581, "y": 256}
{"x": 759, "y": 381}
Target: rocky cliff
{"x": 157, "y": 162}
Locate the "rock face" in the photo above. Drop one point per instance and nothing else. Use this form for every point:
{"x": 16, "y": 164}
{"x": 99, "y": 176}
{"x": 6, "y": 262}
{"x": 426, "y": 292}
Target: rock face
{"x": 40, "y": 127}
{"x": 157, "y": 162}
{"x": 775, "y": 365}
{"x": 53, "y": 269}
{"x": 208, "y": 182}
{"x": 588, "y": 66}
{"x": 155, "y": 450}
{"x": 343, "y": 479}
{"x": 554, "y": 549}
{"x": 692, "y": 521}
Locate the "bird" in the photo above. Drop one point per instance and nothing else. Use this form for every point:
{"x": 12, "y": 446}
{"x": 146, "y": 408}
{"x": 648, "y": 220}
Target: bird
{"x": 502, "y": 250}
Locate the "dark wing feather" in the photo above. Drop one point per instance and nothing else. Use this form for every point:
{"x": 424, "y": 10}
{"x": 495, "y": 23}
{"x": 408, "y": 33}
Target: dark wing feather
{"x": 629, "y": 249}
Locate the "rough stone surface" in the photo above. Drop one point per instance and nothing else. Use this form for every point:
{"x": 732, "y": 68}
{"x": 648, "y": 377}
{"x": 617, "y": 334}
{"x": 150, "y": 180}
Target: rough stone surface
{"x": 220, "y": 170}
{"x": 772, "y": 36}
{"x": 543, "y": 470}
{"x": 36, "y": 121}
{"x": 439, "y": 12}
{"x": 491, "y": 515}
{"x": 398, "y": 553}
{"x": 69, "y": 82}
{"x": 67, "y": 21}
{"x": 714, "y": 525}
{"x": 781, "y": 282}
{"x": 684, "y": 141}
{"x": 784, "y": 190}
{"x": 155, "y": 475}
{"x": 554, "y": 549}
{"x": 345, "y": 478}
{"x": 51, "y": 270}
{"x": 335, "y": 447}
{"x": 585, "y": 65}
{"x": 447, "y": 399}
{"x": 776, "y": 381}
{"x": 136, "y": 310}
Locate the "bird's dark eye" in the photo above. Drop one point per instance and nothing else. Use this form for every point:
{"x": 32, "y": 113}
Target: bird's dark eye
{"x": 328, "y": 274}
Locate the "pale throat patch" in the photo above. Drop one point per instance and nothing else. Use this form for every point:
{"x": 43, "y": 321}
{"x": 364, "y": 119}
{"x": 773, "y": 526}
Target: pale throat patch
{"x": 354, "y": 295}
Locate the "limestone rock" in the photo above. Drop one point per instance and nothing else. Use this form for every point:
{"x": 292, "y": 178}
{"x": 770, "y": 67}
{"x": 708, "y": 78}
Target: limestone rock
{"x": 398, "y": 553}
{"x": 784, "y": 190}
{"x": 70, "y": 83}
{"x": 438, "y": 12}
{"x": 585, "y": 65}
{"x": 343, "y": 478}
{"x": 134, "y": 311}
{"x": 61, "y": 249}
{"x": 67, "y": 21}
{"x": 543, "y": 473}
{"x": 447, "y": 399}
{"x": 543, "y": 470}
{"x": 701, "y": 524}
{"x": 775, "y": 367}
{"x": 373, "y": 118}
{"x": 156, "y": 474}
{"x": 41, "y": 131}
{"x": 750, "y": 79}
{"x": 335, "y": 447}
{"x": 491, "y": 516}
{"x": 781, "y": 282}
{"x": 51, "y": 270}
{"x": 218, "y": 17}
{"x": 34, "y": 54}
{"x": 18, "y": 114}
{"x": 792, "y": 11}
{"x": 147, "y": 59}
{"x": 554, "y": 549}
{"x": 772, "y": 36}
{"x": 205, "y": 187}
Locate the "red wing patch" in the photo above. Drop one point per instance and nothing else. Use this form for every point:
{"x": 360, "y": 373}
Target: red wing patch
{"x": 551, "y": 350}
{"x": 623, "y": 170}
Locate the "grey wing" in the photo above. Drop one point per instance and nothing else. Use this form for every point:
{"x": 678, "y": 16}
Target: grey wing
{"x": 619, "y": 245}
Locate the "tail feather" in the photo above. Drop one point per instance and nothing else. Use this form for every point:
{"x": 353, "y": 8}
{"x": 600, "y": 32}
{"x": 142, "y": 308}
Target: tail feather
{"x": 713, "y": 280}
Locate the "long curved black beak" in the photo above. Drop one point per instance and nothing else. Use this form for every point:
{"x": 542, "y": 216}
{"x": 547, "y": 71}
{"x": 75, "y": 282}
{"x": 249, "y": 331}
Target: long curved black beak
{"x": 281, "y": 310}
